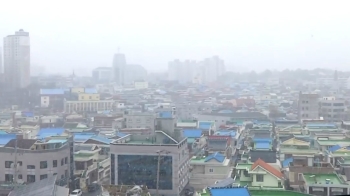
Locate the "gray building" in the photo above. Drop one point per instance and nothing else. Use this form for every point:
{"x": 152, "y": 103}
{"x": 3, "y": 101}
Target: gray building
{"x": 17, "y": 60}
{"x": 36, "y": 160}
{"x": 186, "y": 111}
{"x": 140, "y": 120}
{"x": 308, "y": 106}
{"x": 102, "y": 74}
{"x": 119, "y": 66}
{"x": 139, "y": 159}
{"x": 332, "y": 109}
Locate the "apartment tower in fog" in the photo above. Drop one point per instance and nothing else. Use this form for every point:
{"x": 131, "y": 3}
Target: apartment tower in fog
{"x": 17, "y": 60}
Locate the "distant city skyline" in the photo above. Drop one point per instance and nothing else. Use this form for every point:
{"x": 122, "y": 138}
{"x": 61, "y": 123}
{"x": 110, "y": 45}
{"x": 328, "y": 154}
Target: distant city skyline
{"x": 267, "y": 36}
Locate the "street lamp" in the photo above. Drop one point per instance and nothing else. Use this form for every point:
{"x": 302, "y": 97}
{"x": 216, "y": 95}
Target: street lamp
{"x": 159, "y": 152}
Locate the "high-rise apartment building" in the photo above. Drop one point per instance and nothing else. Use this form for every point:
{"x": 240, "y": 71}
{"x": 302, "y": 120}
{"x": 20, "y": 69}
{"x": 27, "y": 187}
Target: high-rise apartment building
{"x": 119, "y": 65}
{"x": 127, "y": 73}
{"x": 17, "y": 60}
{"x": 208, "y": 70}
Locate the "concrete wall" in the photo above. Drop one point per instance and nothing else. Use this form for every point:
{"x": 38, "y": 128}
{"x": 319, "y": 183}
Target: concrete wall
{"x": 33, "y": 157}
{"x": 140, "y": 121}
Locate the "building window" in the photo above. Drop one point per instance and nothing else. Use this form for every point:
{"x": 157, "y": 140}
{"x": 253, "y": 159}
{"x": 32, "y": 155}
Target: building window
{"x": 43, "y": 164}
{"x": 66, "y": 160}
{"x": 260, "y": 178}
{"x": 30, "y": 166}
{"x": 8, "y": 164}
{"x": 42, "y": 177}
{"x": 246, "y": 174}
{"x": 20, "y": 176}
{"x": 30, "y": 178}
{"x": 211, "y": 170}
{"x": 54, "y": 163}
{"x": 8, "y": 178}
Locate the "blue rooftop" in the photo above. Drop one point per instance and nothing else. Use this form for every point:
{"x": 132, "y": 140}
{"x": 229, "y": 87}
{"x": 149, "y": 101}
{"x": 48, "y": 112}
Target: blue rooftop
{"x": 5, "y": 138}
{"x": 262, "y": 145}
{"x": 323, "y": 125}
{"x": 204, "y": 125}
{"x": 27, "y": 114}
{"x": 240, "y": 191}
{"x": 286, "y": 162}
{"x": 48, "y": 132}
{"x": 90, "y": 90}
{"x": 52, "y": 91}
{"x": 267, "y": 140}
{"x": 334, "y": 148}
{"x": 166, "y": 114}
{"x": 101, "y": 139}
{"x": 217, "y": 156}
{"x": 82, "y": 137}
{"x": 192, "y": 133}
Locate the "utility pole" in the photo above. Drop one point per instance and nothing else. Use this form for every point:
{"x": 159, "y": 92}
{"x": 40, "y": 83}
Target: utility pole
{"x": 158, "y": 168}
{"x": 15, "y": 166}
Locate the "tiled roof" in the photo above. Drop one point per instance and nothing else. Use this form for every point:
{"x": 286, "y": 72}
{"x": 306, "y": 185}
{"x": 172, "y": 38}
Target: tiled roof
{"x": 267, "y": 167}
{"x": 217, "y": 156}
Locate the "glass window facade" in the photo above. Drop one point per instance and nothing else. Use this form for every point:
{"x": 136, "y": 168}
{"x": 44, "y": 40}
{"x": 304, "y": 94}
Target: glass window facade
{"x": 142, "y": 170}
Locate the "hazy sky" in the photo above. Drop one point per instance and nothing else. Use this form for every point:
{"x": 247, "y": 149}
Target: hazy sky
{"x": 84, "y": 34}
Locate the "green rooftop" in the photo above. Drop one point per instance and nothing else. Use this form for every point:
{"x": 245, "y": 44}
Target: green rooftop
{"x": 82, "y": 155}
{"x": 242, "y": 166}
{"x": 275, "y": 193}
{"x": 321, "y": 178}
{"x": 334, "y": 142}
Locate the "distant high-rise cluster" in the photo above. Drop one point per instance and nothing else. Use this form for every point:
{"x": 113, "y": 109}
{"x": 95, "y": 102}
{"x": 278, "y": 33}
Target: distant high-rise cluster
{"x": 205, "y": 71}
{"x": 126, "y": 73}
{"x": 17, "y": 60}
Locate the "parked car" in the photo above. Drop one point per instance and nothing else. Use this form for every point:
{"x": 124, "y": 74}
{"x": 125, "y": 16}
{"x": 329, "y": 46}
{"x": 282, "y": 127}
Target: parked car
{"x": 76, "y": 192}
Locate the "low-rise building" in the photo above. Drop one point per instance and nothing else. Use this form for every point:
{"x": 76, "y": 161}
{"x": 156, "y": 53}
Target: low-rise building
{"x": 208, "y": 170}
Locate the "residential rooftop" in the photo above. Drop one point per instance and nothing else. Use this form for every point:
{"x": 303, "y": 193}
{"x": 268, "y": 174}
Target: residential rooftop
{"x": 323, "y": 179}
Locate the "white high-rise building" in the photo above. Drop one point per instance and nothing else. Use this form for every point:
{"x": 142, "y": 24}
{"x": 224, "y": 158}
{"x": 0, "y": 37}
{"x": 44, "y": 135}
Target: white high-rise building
{"x": 204, "y": 71}
{"x": 17, "y": 60}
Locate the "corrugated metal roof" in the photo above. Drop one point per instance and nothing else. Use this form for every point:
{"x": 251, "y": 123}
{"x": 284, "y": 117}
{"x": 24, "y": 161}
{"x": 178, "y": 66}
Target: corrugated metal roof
{"x": 81, "y": 137}
{"x": 217, "y": 156}
{"x": 48, "y": 132}
{"x": 5, "y": 138}
{"x": 101, "y": 139}
{"x": 192, "y": 133}
{"x": 229, "y": 191}
{"x": 57, "y": 141}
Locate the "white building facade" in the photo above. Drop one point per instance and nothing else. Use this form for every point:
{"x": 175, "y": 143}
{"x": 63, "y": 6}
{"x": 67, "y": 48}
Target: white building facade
{"x": 17, "y": 59}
